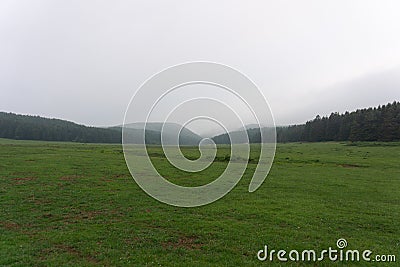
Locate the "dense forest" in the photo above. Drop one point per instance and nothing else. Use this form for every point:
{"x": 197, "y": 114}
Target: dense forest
{"x": 372, "y": 124}
{"x": 26, "y": 127}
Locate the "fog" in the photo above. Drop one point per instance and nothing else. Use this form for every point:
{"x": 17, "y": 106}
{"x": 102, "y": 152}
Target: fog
{"x": 83, "y": 60}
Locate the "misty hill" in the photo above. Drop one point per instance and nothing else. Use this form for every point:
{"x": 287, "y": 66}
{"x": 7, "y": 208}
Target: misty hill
{"x": 170, "y": 132}
{"x": 25, "y": 127}
{"x": 135, "y": 135}
{"x": 373, "y": 124}
{"x": 249, "y": 127}
{"x": 238, "y": 137}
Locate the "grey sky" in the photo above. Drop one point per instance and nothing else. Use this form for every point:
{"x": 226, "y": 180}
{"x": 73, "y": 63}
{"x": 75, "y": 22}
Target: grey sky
{"x": 82, "y": 60}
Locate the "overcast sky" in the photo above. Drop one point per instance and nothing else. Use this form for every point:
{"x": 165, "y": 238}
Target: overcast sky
{"x": 83, "y": 60}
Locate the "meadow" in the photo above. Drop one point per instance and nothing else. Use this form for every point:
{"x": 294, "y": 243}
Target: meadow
{"x": 71, "y": 204}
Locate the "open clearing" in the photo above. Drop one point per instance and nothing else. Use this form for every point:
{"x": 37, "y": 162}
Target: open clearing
{"x": 68, "y": 204}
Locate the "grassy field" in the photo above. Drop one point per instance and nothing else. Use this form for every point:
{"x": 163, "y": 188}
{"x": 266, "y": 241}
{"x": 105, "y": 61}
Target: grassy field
{"x": 65, "y": 204}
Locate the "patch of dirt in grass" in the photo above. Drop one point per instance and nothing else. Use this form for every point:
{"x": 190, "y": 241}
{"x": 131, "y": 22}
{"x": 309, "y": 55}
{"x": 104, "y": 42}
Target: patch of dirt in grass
{"x": 18, "y": 173}
{"x": 70, "y": 177}
{"x": 81, "y": 215}
{"x": 21, "y": 228}
{"x": 136, "y": 240}
{"x": 70, "y": 250}
{"x": 121, "y": 176}
{"x": 22, "y": 180}
{"x": 186, "y": 242}
{"x": 40, "y": 201}
{"x": 10, "y": 225}
{"x": 47, "y": 215}
{"x": 349, "y": 165}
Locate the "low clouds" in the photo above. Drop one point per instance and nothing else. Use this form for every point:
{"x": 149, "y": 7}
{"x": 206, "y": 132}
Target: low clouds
{"x": 83, "y": 60}
{"x": 369, "y": 90}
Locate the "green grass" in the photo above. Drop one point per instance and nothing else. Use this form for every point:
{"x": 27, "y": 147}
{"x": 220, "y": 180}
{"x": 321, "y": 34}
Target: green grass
{"x": 65, "y": 204}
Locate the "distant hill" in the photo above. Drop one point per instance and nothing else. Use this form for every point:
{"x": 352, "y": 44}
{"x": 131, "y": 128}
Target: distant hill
{"x": 381, "y": 123}
{"x": 249, "y": 126}
{"x": 373, "y": 124}
{"x": 238, "y": 137}
{"x": 170, "y": 132}
{"x": 27, "y": 127}
{"x": 135, "y": 135}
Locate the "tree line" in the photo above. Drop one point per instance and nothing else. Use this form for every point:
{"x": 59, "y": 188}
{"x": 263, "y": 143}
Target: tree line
{"x": 25, "y": 127}
{"x": 372, "y": 124}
